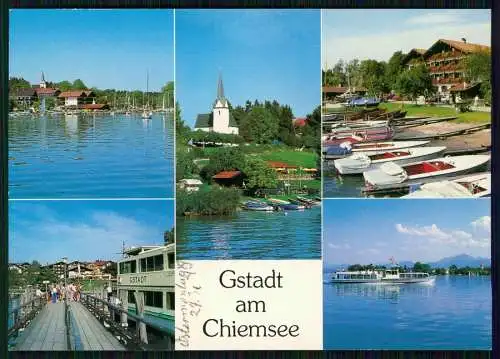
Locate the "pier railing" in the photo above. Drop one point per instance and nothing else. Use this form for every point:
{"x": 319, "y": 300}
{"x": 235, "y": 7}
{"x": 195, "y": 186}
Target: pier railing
{"x": 139, "y": 338}
{"x": 24, "y": 313}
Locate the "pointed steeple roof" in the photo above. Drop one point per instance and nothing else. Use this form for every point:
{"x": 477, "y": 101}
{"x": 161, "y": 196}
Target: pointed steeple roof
{"x": 43, "y": 77}
{"x": 220, "y": 88}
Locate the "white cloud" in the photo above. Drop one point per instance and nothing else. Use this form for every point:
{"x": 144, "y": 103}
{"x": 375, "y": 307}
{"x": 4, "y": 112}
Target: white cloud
{"x": 339, "y": 246}
{"x": 436, "y": 236}
{"x": 435, "y": 18}
{"x": 482, "y": 223}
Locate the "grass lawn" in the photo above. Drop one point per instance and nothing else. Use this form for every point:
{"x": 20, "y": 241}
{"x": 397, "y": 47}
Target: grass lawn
{"x": 415, "y": 110}
{"x": 291, "y": 157}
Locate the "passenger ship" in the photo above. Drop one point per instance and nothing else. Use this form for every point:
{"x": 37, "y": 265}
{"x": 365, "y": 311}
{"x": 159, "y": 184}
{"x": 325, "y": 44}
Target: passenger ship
{"x": 389, "y": 276}
{"x": 151, "y": 270}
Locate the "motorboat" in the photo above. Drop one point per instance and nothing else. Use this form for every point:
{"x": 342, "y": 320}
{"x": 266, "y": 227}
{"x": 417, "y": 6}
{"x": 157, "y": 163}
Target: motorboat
{"x": 363, "y": 135}
{"x": 390, "y": 173}
{"x": 346, "y": 148}
{"x": 257, "y": 206}
{"x": 292, "y": 207}
{"x": 473, "y": 186}
{"x": 360, "y": 162}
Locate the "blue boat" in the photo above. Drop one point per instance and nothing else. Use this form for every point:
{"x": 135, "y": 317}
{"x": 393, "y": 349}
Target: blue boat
{"x": 292, "y": 207}
{"x": 257, "y": 206}
{"x": 363, "y": 101}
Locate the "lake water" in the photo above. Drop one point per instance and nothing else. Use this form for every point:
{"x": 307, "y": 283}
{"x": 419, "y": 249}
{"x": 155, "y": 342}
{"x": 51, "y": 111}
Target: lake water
{"x": 251, "y": 235}
{"x": 91, "y": 156}
{"x": 454, "y": 313}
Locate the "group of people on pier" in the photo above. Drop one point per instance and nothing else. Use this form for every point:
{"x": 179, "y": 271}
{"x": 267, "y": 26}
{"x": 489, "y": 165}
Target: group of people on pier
{"x": 57, "y": 293}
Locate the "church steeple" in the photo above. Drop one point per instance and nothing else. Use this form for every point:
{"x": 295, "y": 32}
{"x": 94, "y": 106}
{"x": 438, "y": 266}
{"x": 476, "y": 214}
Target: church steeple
{"x": 43, "y": 77}
{"x": 43, "y": 84}
{"x": 220, "y": 89}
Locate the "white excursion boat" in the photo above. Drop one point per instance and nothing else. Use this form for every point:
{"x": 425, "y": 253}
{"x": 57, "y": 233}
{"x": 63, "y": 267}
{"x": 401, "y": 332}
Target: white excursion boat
{"x": 360, "y": 162}
{"x": 388, "y": 276}
{"x": 390, "y": 173}
{"x": 150, "y": 270}
{"x": 474, "y": 186}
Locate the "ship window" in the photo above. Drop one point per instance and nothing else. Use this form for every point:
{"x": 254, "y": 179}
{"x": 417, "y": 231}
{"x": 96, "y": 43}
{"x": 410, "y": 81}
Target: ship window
{"x": 152, "y": 264}
{"x": 171, "y": 300}
{"x": 171, "y": 260}
{"x": 153, "y": 299}
{"x": 128, "y": 267}
{"x": 131, "y": 297}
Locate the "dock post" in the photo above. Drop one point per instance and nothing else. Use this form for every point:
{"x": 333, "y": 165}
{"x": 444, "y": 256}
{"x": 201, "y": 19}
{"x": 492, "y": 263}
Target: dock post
{"x": 123, "y": 296}
{"x": 141, "y": 326}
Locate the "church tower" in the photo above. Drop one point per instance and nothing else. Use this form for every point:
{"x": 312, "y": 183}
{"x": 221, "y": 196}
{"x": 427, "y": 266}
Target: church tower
{"x": 221, "y": 110}
{"x": 43, "y": 84}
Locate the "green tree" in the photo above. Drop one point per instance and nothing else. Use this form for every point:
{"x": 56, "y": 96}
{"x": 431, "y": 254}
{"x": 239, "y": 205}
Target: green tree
{"x": 258, "y": 175}
{"x": 414, "y": 82}
{"x": 78, "y": 85}
{"x": 335, "y": 76}
{"x": 168, "y": 91}
{"x": 225, "y": 159}
{"x": 373, "y": 75}
{"x": 422, "y": 267}
{"x": 478, "y": 69}
{"x": 16, "y": 83}
{"x": 259, "y": 125}
{"x": 111, "y": 269}
{"x": 64, "y": 86}
{"x": 185, "y": 165}
{"x": 393, "y": 69}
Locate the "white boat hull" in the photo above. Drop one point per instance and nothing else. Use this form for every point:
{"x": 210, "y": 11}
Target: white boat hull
{"x": 381, "y": 178}
{"x": 358, "y": 164}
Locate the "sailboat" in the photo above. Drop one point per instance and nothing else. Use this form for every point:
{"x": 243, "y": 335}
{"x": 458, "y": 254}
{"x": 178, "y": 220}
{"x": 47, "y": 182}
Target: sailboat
{"x": 145, "y": 114}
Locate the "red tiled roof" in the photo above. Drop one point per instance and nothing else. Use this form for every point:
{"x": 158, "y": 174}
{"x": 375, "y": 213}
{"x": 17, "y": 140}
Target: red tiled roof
{"x": 278, "y": 164}
{"x": 45, "y": 91}
{"x": 300, "y": 122}
{"x": 462, "y": 87}
{"x": 227, "y": 174}
{"x": 72, "y": 94}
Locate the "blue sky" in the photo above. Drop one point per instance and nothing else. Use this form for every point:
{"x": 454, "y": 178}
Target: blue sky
{"x": 378, "y": 33}
{"x": 371, "y": 231}
{"x": 262, "y": 54}
{"x": 84, "y": 230}
{"x": 104, "y": 48}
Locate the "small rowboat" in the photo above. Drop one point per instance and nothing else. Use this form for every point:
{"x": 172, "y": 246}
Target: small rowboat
{"x": 292, "y": 207}
{"x": 346, "y": 148}
{"x": 390, "y": 173}
{"x": 361, "y": 162}
{"x": 308, "y": 201}
{"x": 357, "y": 136}
{"x": 257, "y": 206}
{"x": 277, "y": 201}
{"x": 473, "y": 186}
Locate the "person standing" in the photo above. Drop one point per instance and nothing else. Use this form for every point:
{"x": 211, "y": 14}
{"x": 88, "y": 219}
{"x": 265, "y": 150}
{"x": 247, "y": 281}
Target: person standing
{"x": 54, "y": 294}
{"x": 110, "y": 291}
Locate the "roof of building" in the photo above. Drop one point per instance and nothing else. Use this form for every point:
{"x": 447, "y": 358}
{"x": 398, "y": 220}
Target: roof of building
{"x": 77, "y": 93}
{"x": 205, "y": 120}
{"x": 300, "y": 121}
{"x": 227, "y": 174}
{"x": 46, "y": 91}
{"x": 463, "y": 87}
{"x": 24, "y": 92}
{"x": 191, "y": 181}
{"x": 463, "y": 46}
{"x": 278, "y": 164}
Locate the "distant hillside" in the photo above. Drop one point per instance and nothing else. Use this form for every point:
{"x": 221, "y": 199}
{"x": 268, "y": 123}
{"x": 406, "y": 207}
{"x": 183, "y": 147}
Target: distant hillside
{"x": 461, "y": 260}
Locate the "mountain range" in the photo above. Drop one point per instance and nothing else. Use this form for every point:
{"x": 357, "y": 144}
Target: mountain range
{"x": 461, "y": 260}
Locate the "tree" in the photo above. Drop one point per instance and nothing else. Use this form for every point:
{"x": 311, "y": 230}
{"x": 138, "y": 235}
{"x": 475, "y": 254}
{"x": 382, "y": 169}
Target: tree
{"x": 478, "y": 69}
{"x": 393, "y": 68}
{"x": 335, "y": 76}
{"x": 414, "y": 82}
{"x": 78, "y": 85}
{"x": 373, "y": 75}
{"x": 64, "y": 85}
{"x": 16, "y": 83}
{"x": 259, "y": 125}
{"x": 422, "y": 267}
{"x": 258, "y": 174}
{"x": 185, "y": 165}
{"x": 225, "y": 159}
{"x": 111, "y": 269}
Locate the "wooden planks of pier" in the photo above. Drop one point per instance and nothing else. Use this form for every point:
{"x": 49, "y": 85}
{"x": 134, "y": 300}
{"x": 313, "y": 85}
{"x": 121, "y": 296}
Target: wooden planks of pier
{"x": 91, "y": 333}
{"x": 46, "y": 332}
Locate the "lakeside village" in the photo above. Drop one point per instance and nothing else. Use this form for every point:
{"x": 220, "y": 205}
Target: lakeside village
{"x": 404, "y": 273}
{"x": 255, "y": 157}
{"x": 417, "y": 125}
{"x": 140, "y": 283}
{"x": 75, "y": 97}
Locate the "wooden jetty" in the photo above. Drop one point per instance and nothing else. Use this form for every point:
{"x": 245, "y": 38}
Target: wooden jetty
{"x": 421, "y": 122}
{"x": 91, "y": 324}
{"x": 440, "y": 136}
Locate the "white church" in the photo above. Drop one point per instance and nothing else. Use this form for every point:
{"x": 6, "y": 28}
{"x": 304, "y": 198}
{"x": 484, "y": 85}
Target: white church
{"x": 220, "y": 120}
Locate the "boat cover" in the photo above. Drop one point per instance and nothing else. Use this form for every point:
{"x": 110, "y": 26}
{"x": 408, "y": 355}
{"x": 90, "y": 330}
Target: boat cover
{"x": 338, "y": 151}
{"x": 391, "y": 168}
